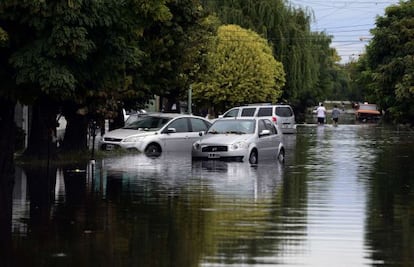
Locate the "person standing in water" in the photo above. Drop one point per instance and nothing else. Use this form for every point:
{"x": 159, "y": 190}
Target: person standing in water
{"x": 321, "y": 114}
{"x": 335, "y": 115}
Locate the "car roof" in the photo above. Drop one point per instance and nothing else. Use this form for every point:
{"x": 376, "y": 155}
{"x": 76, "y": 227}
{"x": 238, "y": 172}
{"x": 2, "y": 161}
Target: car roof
{"x": 171, "y": 115}
{"x": 242, "y": 118}
{"x": 255, "y": 106}
{"x": 263, "y": 105}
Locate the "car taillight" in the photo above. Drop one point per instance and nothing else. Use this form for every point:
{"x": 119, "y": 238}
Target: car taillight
{"x": 274, "y": 119}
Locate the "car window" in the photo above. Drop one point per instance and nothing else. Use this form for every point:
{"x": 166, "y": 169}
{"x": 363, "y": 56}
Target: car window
{"x": 198, "y": 125}
{"x": 232, "y": 126}
{"x": 262, "y": 126}
{"x": 180, "y": 125}
{"x": 270, "y": 126}
{"x": 147, "y": 123}
{"x": 284, "y": 111}
{"x": 248, "y": 112}
{"x": 231, "y": 113}
{"x": 264, "y": 112}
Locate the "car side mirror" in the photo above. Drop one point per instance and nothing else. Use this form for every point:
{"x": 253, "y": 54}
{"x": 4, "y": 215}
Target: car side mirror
{"x": 201, "y": 133}
{"x": 264, "y": 132}
{"x": 171, "y": 130}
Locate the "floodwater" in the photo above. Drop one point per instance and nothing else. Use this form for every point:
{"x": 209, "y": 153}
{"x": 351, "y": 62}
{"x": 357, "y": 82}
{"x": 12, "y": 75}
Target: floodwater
{"x": 344, "y": 197}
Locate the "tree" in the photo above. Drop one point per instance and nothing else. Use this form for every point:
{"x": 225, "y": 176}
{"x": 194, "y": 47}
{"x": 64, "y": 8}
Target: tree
{"x": 306, "y": 56}
{"x": 390, "y": 60}
{"x": 240, "y": 69}
{"x": 78, "y": 56}
{"x": 7, "y": 135}
{"x": 360, "y": 80}
{"x": 172, "y": 51}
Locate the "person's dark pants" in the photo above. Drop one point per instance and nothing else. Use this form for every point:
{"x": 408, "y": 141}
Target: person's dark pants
{"x": 321, "y": 120}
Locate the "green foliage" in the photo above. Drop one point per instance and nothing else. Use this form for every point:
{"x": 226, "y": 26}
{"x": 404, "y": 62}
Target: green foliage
{"x": 3, "y": 37}
{"x": 241, "y": 69}
{"x": 356, "y": 76}
{"x": 308, "y": 60}
{"x": 390, "y": 61}
{"x": 81, "y": 52}
{"x": 172, "y": 50}
{"x": 75, "y": 54}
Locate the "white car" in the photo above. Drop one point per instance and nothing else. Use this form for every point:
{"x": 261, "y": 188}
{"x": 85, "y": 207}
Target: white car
{"x": 154, "y": 133}
{"x": 244, "y": 139}
{"x": 281, "y": 114}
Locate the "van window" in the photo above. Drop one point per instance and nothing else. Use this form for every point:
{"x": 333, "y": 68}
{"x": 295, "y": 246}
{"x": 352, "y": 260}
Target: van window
{"x": 264, "y": 112}
{"x": 248, "y": 112}
{"x": 284, "y": 112}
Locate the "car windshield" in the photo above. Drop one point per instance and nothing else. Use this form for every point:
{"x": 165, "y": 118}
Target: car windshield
{"x": 133, "y": 118}
{"x": 232, "y": 127}
{"x": 147, "y": 123}
{"x": 368, "y": 107}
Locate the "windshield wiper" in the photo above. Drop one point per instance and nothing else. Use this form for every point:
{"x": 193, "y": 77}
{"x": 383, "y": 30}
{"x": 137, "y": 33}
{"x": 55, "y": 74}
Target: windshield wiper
{"x": 235, "y": 132}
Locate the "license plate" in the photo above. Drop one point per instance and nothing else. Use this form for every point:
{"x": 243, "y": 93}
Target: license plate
{"x": 110, "y": 147}
{"x": 213, "y": 155}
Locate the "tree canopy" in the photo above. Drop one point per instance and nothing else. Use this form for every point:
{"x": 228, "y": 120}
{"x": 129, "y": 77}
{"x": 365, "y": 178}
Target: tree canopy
{"x": 73, "y": 55}
{"x": 173, "y": 50}
{"x": 308, "y": 60}
{"x": 390, "y": 62}
{"x": 241, "y": 69}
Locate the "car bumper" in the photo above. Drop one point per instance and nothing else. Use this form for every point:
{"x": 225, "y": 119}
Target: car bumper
{"x": 288, "y": 129}
{"x": 238, "y": 155}
{"x": 110, "y": 146}
{"x": 368, "y": 117}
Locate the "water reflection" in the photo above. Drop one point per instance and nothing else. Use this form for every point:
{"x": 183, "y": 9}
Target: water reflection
{"x": 343, "y": 198}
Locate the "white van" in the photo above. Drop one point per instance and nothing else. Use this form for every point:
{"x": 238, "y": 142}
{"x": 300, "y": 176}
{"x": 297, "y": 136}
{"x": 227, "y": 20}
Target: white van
{"x": 280, "y": 114}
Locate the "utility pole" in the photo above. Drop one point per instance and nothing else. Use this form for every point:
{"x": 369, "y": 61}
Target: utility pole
{"x": 189, "y": 102}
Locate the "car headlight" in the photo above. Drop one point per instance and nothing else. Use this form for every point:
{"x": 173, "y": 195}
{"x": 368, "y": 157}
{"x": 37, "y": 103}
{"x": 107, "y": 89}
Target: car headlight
{"x": 196, "y": 146}
{"x": 132, "y": 139}
{"x": 238, "y": 145}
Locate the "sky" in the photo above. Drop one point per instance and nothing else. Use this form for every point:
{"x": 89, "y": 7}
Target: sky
{"x": 349, "y": 22}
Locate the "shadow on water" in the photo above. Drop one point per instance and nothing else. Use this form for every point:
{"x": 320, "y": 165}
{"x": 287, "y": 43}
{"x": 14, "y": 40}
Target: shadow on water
{"x": 343, "y": 198}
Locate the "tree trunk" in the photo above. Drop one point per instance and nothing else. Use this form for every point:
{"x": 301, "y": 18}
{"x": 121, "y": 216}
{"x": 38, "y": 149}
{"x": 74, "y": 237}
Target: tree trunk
{"x": 76, "y": 133}
{"x": 7, "y": 136}
{"x": 42, "y": 134}
{"x": 118, "y": 121}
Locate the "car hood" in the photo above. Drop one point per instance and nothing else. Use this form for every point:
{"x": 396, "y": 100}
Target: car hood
{"x": 224, "y": 139}
{"x": 123, "y": 133}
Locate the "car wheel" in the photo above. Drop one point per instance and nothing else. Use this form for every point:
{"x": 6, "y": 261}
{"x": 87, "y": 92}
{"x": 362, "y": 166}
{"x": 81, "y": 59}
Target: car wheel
{"x": 153, "y": 150}
{"x": 281, "y": 156}
{"x": 253, "y": 157}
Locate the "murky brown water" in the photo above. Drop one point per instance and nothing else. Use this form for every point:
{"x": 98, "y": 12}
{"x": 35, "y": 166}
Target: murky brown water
{"x": 344, "y": 197}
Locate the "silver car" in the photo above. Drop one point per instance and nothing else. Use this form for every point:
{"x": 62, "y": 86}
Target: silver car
{"x": 155, "y": 133}
{"x": 245, "y": 139}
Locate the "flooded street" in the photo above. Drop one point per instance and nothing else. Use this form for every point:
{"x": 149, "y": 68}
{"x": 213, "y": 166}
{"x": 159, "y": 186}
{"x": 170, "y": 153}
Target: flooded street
{"x": 344, "y": 197}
